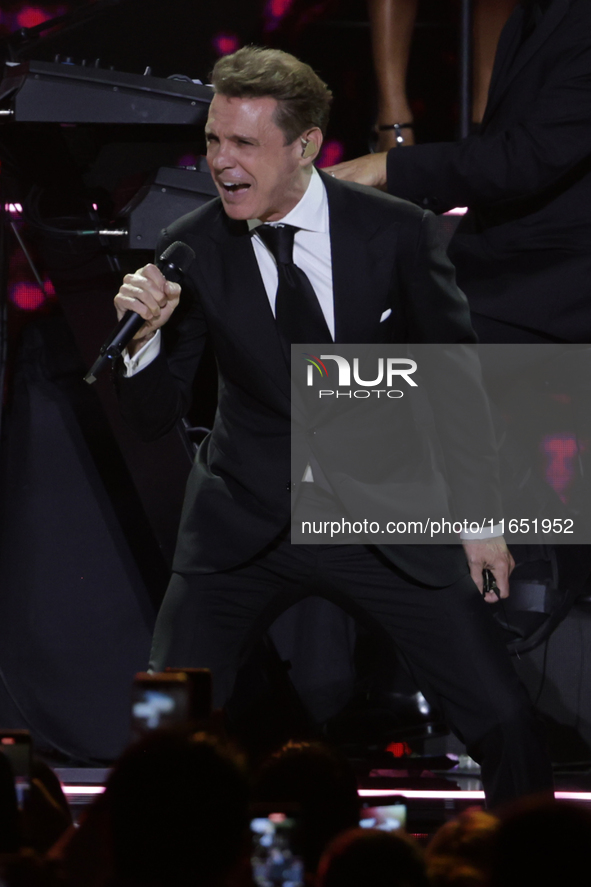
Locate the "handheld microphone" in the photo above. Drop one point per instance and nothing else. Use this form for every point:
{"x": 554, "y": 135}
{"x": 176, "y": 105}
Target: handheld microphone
{"x": 173, "y": 263}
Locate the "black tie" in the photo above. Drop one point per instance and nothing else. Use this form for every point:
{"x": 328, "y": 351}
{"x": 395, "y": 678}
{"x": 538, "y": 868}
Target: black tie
{"x": 297, "y": 310}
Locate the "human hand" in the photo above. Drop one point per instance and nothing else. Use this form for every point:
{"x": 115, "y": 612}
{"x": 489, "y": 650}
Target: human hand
{"x": 490, "y": 554}
{"x": 152, "y": 296}
{"x": 367, "y": 170}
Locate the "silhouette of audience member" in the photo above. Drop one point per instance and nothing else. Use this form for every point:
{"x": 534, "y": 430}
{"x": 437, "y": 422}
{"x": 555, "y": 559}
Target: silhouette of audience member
{"x": 26, "y": 835}
{"x": 461, "y": 851}
{"x": 174, "y": 812}
{"x": 83, "y": 856}
{"x": 47, "y": 814}
{"x": 543, "y": 843}
{"x": 374, "y": 858}
{"x": 179, "y": 811}
{"x": 321, "y": 781}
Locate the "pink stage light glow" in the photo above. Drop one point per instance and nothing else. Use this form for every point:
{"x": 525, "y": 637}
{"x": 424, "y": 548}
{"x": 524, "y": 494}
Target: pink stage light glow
{"x": 25, "y": 15}
{"x": 187, "y": 160}
{"x": 275, "y": 10}
{"x": 28, "y": 296}
{"x": 225, "y": 43}
{"x": 332, "y": 152}
{"x": 31, "y": 16}
{"x": 560, "y": 450}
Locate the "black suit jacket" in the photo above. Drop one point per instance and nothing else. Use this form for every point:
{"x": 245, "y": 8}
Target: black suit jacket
{"x": 385, "y": 255}
{"x": 522, "y": 253}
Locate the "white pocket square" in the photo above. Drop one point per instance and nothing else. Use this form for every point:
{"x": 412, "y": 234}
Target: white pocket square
{"x": 386, "y": 314}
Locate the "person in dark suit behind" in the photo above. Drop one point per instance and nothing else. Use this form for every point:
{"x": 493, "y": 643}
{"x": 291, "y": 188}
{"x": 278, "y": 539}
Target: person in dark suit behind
{"x": 522, "y": 251}
{"x": 369, "y": 270}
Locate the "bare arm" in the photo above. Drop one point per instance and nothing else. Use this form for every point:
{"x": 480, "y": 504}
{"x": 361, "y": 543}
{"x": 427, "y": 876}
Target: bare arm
{"x": 392, "y": 24}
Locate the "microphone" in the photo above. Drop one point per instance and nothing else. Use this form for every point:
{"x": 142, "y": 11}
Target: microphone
{"x": 173, "y": 263}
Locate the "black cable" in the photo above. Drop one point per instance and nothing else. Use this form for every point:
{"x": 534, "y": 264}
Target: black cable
{"x": 33, "y": 217}
{"x": 29, "y": 258}
{"x": 543, "y": 677}
{"x": 9, "y": 161}
{"x": 84, "y": 760}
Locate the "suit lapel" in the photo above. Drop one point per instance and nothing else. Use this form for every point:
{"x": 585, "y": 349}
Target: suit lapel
{"x": 510, "y": 61}
{"x": 363, "y": 251}
{"x": 354, "y": 269}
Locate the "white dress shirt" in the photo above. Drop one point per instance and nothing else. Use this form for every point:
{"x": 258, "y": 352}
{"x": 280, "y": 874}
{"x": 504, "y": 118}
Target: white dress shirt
{"x": 311, "y": 248}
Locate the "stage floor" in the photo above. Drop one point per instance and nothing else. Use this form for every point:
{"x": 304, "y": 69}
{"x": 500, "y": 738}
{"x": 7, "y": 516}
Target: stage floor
{"x": 432, "y": 797}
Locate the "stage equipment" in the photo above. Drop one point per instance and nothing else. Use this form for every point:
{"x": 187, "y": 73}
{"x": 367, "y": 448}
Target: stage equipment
{"x": 62, "y": 92}
{"x": 544, "y": 585}
{"x": 170, "y": 193}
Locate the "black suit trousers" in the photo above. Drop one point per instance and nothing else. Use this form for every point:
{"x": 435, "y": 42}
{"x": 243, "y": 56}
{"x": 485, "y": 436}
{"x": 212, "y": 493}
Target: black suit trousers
{"x": 447, "y": 636}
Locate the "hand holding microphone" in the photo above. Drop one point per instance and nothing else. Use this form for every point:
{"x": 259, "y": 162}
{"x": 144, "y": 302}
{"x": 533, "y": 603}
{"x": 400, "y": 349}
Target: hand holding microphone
{"x": 490, "y": 563}
{"x": 146, "y": 299}
{"x": 144, "y": 303}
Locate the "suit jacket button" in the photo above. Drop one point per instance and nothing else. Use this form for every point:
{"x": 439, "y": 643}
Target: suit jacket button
{"x": 289, "y": 486}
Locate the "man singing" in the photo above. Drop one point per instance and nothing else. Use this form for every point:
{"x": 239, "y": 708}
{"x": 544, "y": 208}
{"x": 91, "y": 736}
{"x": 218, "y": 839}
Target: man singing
{"x": 287, "y": 254}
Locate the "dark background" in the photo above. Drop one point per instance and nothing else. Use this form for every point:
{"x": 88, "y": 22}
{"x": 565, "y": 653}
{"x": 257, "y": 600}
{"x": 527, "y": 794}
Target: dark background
{"x": 88, "y": 514}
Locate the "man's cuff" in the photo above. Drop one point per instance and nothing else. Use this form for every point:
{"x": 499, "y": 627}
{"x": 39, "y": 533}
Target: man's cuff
{"x": 141, "y": 358}
{"x": 487, "y": 532}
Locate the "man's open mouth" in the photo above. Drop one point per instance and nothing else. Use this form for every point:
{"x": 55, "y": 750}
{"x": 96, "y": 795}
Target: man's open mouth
{"x": 235, "y": 187}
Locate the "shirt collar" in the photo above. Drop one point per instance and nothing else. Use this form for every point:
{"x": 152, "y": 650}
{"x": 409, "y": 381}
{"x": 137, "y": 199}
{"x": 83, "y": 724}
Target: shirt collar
{"x": 310, "y": 213}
